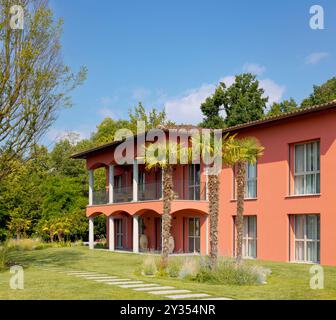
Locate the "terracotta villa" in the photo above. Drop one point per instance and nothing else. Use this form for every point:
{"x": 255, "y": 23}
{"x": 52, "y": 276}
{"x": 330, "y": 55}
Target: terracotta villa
{"x": 289, "y": 210}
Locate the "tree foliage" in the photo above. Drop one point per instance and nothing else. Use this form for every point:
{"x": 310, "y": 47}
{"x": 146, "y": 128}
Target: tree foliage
{"x": 282, "y": 107}
{"x": 321, "y": 94}
{"x": 34, "y": 81}
{"x": 241, "y": 102}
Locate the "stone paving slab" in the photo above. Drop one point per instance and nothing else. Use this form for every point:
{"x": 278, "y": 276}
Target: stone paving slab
{"x": 124, "y": 282}
{"x": 218, "y": 298}
{"x": 155, "y": 288}
{"x": 162, "y": 293}
{"x": 112, "y": 280}
{"x": 188, "y": 296}
{"x": 100, "y": 277}
{"x": 132, "y": 286}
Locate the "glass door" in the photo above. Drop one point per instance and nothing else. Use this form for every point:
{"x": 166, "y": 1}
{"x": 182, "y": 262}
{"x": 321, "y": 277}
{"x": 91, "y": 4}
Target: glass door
{"x": 119, "y": 233}
{"x": 194, "y": 235}
{"x": 194, "y": 182}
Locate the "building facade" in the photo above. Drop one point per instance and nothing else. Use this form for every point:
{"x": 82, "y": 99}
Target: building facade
{"x": 289, "y": 211}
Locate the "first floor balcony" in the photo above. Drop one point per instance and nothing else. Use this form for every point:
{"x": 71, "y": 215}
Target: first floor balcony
{"x": 129, "y": 184}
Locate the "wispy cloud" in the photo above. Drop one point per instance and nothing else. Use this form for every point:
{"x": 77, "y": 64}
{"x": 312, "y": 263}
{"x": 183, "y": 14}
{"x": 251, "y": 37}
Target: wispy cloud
{"x": 186, "y": 108}
{"x": 56, "y": 134}
{"x": 140, "y": 94}
{"x": 106, "y": 113}
{"x": 254, "y": 68}
{"x": 107, "y": 101}
{"x": 316, "y": 57}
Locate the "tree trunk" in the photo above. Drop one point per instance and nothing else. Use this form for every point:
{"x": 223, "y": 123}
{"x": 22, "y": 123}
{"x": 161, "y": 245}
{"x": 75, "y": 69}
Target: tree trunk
{"x": 168, "y": 195}
{"x": 241, "y": 181}
{"x": 59, "y": 235}
{"x": 213, "y": 185}
{"x": 51, "y": 235}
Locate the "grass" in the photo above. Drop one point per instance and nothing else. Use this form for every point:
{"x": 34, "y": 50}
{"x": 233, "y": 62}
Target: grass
{"x": 288, "y": 281}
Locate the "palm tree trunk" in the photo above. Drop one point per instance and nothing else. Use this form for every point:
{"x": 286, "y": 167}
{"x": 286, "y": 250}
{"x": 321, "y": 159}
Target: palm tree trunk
{"x": 213, "y": 184}
{"x": 168, "y": 194}
{"x": 241, "y": 182}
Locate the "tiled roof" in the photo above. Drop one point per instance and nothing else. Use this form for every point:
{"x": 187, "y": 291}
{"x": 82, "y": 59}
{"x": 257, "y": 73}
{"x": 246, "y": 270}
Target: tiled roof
{"x": 283, "y": 116}
{"x": 291, "y": 114}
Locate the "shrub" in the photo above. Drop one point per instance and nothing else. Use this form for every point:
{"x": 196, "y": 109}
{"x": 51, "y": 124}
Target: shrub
{"x": 28, "y": 244}
{"x": 228, "y": 272}
{"x": 23, "y": 244}
{"x": 148, "y": 267}
{"x": 189, "y": 269}
{"x": 5, "y": 250}
{"x": 174, "y": 268}
{"x": 78, "y": 243}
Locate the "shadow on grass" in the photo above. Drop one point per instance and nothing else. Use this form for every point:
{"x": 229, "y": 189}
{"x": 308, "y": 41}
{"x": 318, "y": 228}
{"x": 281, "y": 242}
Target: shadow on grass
{"x": 45, "y": 257}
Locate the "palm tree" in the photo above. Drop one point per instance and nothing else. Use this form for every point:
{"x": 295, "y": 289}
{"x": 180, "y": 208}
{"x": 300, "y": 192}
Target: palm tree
{"x": 232, "y": 151}
{"x": 213, "y": 189}
{"x": 225, "y": 152}
{"x": 243, "y": 151}
{"x": 157, "y": 156}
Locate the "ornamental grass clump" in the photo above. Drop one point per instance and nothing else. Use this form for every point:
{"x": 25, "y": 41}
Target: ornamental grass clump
{"x": 230, "y": 273}
{"x": 174, "y": 268}
{"x": 4, "y": 255}
{"x": 149, "y": 267}
{"x": 189, "y": 269}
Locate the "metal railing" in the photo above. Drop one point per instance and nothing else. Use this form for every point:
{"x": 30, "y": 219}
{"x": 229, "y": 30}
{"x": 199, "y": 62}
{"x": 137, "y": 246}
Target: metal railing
{"x": 151, "y": 192}
{"x": 100, "y": 197}
{"x": 124, "y": 194}
{"x": 184, "y": 191}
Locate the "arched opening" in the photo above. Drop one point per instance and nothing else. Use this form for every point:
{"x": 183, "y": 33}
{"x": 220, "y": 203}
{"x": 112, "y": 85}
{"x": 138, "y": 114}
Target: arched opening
{"x": 150, "y": 231}
{"x": 97, "y": 231}
{"x": 121, "y": 223}
{"x": 190, "y": 231}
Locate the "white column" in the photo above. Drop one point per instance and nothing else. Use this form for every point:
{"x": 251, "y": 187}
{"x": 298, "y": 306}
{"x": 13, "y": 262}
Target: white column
{"x": 162, "y": 186}
{"x": 91, "y": 186}
{"x": 111, "y": 234}
{"x": 91, "y": 233}
{"x": 111, "y": 183}
{"x": 207, "y": 235}
{"x": 206, "y": 184}
{"x": 136, "y": 234}
{"x": 135, "y": 180}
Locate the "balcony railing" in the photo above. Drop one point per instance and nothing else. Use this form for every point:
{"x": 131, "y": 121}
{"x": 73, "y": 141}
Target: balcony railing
{"x": 184, "y": 191}
{"x": 100, "y": 197}
{"x": 124, "y": 194}
{"x": 151, "y": 192}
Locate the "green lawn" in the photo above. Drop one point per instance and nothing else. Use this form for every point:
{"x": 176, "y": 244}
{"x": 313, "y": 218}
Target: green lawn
{"x": 288, "y": 281}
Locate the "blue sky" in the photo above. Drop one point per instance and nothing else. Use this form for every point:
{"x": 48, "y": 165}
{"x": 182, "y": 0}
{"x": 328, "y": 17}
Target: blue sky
{"x": 173, "y": 53}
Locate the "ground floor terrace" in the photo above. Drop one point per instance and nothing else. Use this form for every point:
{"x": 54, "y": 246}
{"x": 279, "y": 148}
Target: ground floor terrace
{"x": 141, "y": 231}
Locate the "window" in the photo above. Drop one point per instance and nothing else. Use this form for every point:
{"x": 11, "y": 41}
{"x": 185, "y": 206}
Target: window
{"x": 307, "y": 168}
{"x": 249, "y": 237}
{"x": 119, "y": 233}
{"x": 307, "y": 238}
{"x": 195, "y": 182}
{"x": 194, "y": 235}
{"x": 142, "y": 181}
{"x": 251, "y": 181}
{"x": 118, "y": 183}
